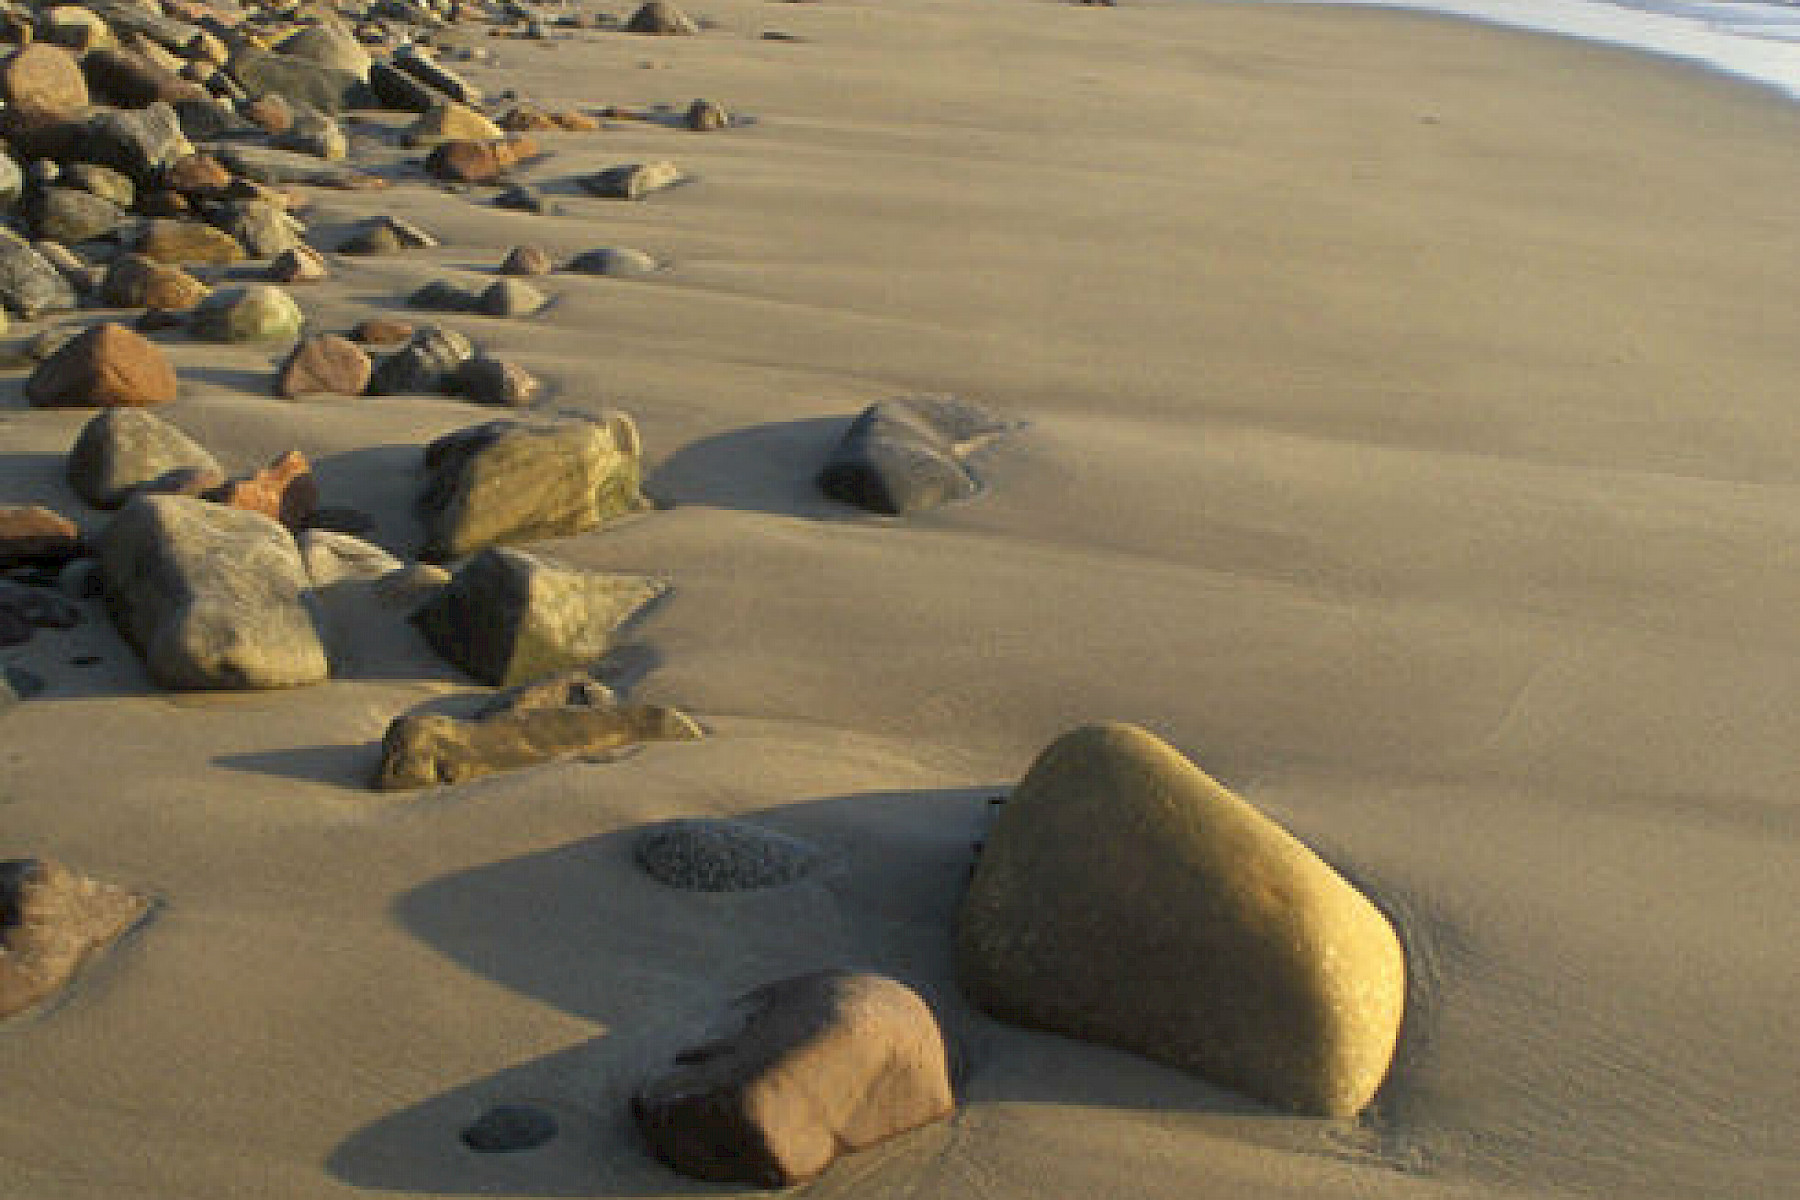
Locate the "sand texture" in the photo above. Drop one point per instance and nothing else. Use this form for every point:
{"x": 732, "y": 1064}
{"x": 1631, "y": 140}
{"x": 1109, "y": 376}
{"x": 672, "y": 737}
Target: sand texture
{"x": 1405, "y": 426}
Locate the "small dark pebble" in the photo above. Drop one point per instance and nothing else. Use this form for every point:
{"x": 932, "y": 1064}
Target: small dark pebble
{"x": 509, "y": 1127}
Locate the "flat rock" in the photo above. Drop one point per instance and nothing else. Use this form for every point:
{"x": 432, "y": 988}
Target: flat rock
{"x": 632, "y": 181}
{"x": 793, "y": 1075}
{"x": 270, "y": 165}
{"x": 707, "y": 854}
{"x": 52, "y": 921}
{"x": 258, "y": 312}
{"x": 125, "y": 450}
{"x": 484, "y": 162}
{"x": 105, "y": 366}
{"x": 211, "y": 597}
{"x": 507, "y": 617}
{"x": 906, "y": 454}
{"x": 618, "y": 261}
{"x": 34, "y": 536}
{"x": 326, "y": 364}
{"x": 1124, "y": 897}
{"x": 387, "y": 235}
{"x": 131, "y": 80}
{"x": 507, "y": 1128}
{"x": 515, "y": 481}
{"x": 402, "y": 91}
{"x": 427, "y": 363}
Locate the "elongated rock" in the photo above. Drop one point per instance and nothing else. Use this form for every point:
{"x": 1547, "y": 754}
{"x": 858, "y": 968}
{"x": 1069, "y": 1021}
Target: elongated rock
{"x": 424, "y": 750}
{"x": 1124, "y": 897}
{"x": 211, "y": 597}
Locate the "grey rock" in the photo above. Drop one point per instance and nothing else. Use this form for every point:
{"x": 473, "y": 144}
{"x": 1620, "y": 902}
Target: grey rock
{"x": 401, "y": 91}
{"x": 632, "y": 181}
{"x": 141, "y": 142}
{"x": 212, "y": 597}
{"x": 328, "y": 44}
{"x": 17, "y": 684}
{"x": 716, "y": 855}
{"x": 81, "y": 579}
{"x": 123, "y": 450}
{"x": 30, "y": 286}
{"x": 485, "y": 380}
{"x": 509, "y": 1127}
{"x": 328, "y": 89}
{"x": 516, "y": 480}
{"x": 427, "y": 363}
{"x": 510, "y": 298}
{"x": 69, "y": 215}
{"x": 267, "y": 164}
{"x": 387, "y": 235}
{"x": 418, "y": 62}
{"x": 620, "y": 262}
{"x": 205, "y": 120}
{"x": 443, "y": 296}
{"x": 906, "y": 454}
{"x": 703, "y": 116}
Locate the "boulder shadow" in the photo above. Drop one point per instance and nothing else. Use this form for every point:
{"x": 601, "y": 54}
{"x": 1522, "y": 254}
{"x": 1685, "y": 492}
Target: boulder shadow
{"x": 760, "y": 468}
{"x": 348, "y": 766}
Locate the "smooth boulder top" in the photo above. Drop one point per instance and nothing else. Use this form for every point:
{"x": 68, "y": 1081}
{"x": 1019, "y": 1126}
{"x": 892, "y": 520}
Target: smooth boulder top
{"x": 1124, "y": 897}
{"x": 907, "y": 454}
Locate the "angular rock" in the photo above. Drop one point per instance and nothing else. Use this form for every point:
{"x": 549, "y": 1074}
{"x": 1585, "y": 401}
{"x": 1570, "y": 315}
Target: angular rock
{"x": 328, "y": 89}
{"x": 485, "y": 380}
{"x": 256, "y": 313}
{"x": 141, "y": 142}
{"x": 1124, "y": 897}
{"x": 324, "y": 364}
{"x": 298, "y": 264}
{"x": 328, "y": 44}
{"x": 12, "y": 181}
{"x": 104, "y": 366}
{"x": 270, "y": 113}
{"x": 262, "y": 228}
{"x": 398, "y": 90}
{"x": 30, "y": 286}
{"x": 51, "y": 922}
{"x": 185, "y": 242}
{"x": 124, "y": 450}
{"x": 69, "y": 215}
{"x": 632, "y": 181}
{"x": 385, "y": 235}
{"x": 507, "y": 617}
{"x": 211, "y": 597}
{"x": 510, "y": 298}
{"x": 620, "y": 262}
{"x": 526, "y": 260}
{"x": 703, "y": 116}
{"x": 662, "y": 18}
{"x": 715, "y": 855}
{"x": 906, "y": 454}
{"x": 418, "y": 62}
{"x": 43, "y": 82}
{"x": 139, "y": 281}
{"x": 450, "y": 121}
{"x": 200, "y": 173}
{"x": 34, "y": 536}
{"x": 427, "y": 363}
{"x": 204, "y": 120}
{"x": 284, "y": 490}
{"x": 794, "y": 1074}
{"x": 515, "y": 481}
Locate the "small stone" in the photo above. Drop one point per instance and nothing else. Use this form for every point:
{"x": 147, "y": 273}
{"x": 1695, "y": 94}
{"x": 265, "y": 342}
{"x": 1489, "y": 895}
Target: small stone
{"x": 256, "y": 313}
{"x": 262, "y": 227}
{"x": 125, "y": 450}
{"x": 284, "y": 490}
{"x": 34, "y": 536}
{"x": 632, "y": 181}
{"x": 703, "y": 116}
{"x": 29, "y": 285}
{"x": 621, "y": 262}
{"x": 716, "y": 855}
{"x": 661, "y": 18}
{"x": 510, "y": 1127}
{"x": 906, "y": 454}
{"x": 381, "y": 331}
{"x": 485, "y": 380}
{"x": 510, "y": 298}
{"x": 105, "y": 366}
{"x": 298, "y": 264}
{"x": 324, "y": 364}
{"x": 52, "y": 921}
{"x": 427, "y": 363}
{"x": 315, "y": 134}
{"x": 526, "y": 260}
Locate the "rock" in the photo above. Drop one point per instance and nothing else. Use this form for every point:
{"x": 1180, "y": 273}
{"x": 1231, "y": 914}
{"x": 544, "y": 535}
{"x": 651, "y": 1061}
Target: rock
{"x": 381, "y": 331}
{"x": 449, "y": 121}
{"x": 83, "y": 276}
{"x": 41, "y": 81}
{"x": 794, "y": 1074}
{"x": 130, "y": 80}
{"x": 510, "y": 298}
{"x": 105, "y": 366}
{"x": 313, "y": 133}
{"x": 34, "y": 536}
{"x": 522, "y": 198}
{"x": 52, "y": 921}
{"x": 142, "y": 142}
{"x": 703, "y": 116}
{"x": 485, "y": 380}
{"x": 212, "y": 597}
{"x": 205, "y": 120}
{"x": 276, "y": 167}
{"x": 1250, "y": 961}
{"x": 199, "y": 173}
{"x": 906, "y": 454}
{"x": 577, "y": 687}
{"x": 713, "y": 855}
{"x": 328, "y": 44}
{"x": 256, "y": 313}
{"x": 284, "y": 490}
{"x": 74, "y": 28}
{"x": 443, "y": 296}
{"x": 403, "y": 92}
{"x": 480, "y": 162}
{"x": 68, "y": 215}
{"x": 632, "y": 181}
{"x": 122, "y": 451}
{"x": 515, "y": 481}
{"x": 184, "y": 242}
{"x": 12, "y": 181}
{"x": 30, "y": 286}
{"x": 426, "y": 750}
{"x": 270, "y": 113}
{"x": 326, "y": 364}
{"x": 262, "y": 228}
{"x": 662, "y": 18}
{"x": 620, "y": 262}
{"x": 102, "y": 181}
{"x": 298, "y": 264}
{"x": 139, "y": 281}
{"x": 417, "y": 61}
{"x": 507, "y": 617}
{"x": 328, "y": 89}
{"x": 509, "y": 1127}
{"x": 526, "y": 260}
{"x": 386, "y": 235}
{"x": 427, "y": 363}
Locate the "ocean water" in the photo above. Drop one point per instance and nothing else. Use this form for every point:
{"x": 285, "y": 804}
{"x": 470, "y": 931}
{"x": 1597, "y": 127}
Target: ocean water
{"x": 1758, "y": 40}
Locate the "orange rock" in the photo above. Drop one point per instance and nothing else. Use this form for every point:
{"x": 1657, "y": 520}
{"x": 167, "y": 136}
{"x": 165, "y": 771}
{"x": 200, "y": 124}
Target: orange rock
{"x": 326, "y": 363}
{"x": 105, "y": 366}
{"x": 381, "y": 331}
{"x": 31, "y": 534}
{"x": 481, "y": 162}
{"x": 285, "y": 490}
{"x": 198, "y": 173}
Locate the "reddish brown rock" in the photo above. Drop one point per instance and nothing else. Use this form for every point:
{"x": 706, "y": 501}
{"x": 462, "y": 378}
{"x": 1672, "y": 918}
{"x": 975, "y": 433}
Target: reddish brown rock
{"x": 285, "y": 490}
{"x": 139, "y": 281}
{"x": 31, "y": 535}
{"x": 796, "y": 1073}
{"x": 106, "y": 366}
{"x": 270, "y": 113}
{"x": 43, "y": 81}
{"x": 51, "y": 922}
{"x": 480, "y": 162}
{"x": 381, "y": 331}
{"x": 326, "y": 363}
{"x": 199, "y": 173}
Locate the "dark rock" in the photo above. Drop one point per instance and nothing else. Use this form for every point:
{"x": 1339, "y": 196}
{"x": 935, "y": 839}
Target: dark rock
{"x": 37, "y": 607}
{"x": 703, "y": 116}
{"x": 204, "y": 120}
{"x": 52, "y": 921}
{"x": 427, "y": 363}
{"x": 30, "y": 286}
{"x": 443, "y": 296}
{"x": 521, "y": 198}
{"x": 328, "y": 89}
{"x": 401, "y": 91}
{"x": 661, "y": 18}
{"x": 526, "y": 260}
{"x": 713, "y": 855}
{"x": 620, "y": 262}
{"x": 906, "y": 454}
{"x": 484, "y": 380}
{"x": 632, "y": 181}
{"x": 328, "y": 44}
{"x": 386, "y": 235}
{"x": 265, "y": 164}
{"x": 510, "y": 1127}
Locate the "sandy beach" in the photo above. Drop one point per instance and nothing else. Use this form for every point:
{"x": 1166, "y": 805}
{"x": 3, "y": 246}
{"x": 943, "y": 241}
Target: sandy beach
{"x": 1406, "y": 433}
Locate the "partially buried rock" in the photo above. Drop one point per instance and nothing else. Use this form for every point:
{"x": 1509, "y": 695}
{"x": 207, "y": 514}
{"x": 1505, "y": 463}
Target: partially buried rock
{"x": 382, "y": 331}
{"x": 299, "y": 264}
{"x": 514, "y": 481}
{"x": 1124, "y": 897}
{"x": 385, "y": 235}
{"x": 510, "y": 298}
{"x": 51, "y": 922}
{"x": 257, "y": 313}
{"x": 526, "y": 260}
{"x": 521, "y": 198}
{"x": 427, "y": 363}
{"x": 326, "y": 364}
{"x": 284, "y": 490}
{"x": 442, "y": 295}
{"x": 262, "y": 228}
{"x": 507, "y": 617}
{"x": 620, "y": 262}
{"x": 139, "y": 281}
{"x": 186, "y": 242}
{"x": 632, "y": 181}
{"x": 465, "y": 161}
{"x": 507, "y": 1128}
{"x": 485, "y": 380}
{"x": 661, "y": 18}
{"x": 34, "y": 536}
{"x": 794, "y": 1074}
{"x": 715, "y": 855}
{"x": 211, "y": 597}
{"x": 906, "y": 454}
{"x": 106, "y": 366}
{"x": 125, "y": 450}
{"x": 450, "y": 121}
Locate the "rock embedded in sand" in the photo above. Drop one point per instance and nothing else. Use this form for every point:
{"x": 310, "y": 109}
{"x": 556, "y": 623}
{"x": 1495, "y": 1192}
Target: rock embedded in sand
{"x": 620, "y": 262}
{"x": 314, "y": 134}
{"x": 632, "y": 181}
{"x": 717, "y": 855}
{"x": 105, "y": 366}
{"x": 515, "y": 481}
{"x": 284, "y": 490}
{"x": 139, "y": 281}
{"x": 510, "y": 298}
{"x": 43, "y": 81}
{"x": 527, "y": 260}
{"x": 383, "y": 331}
{"x": 124, "y": 450}
{"x": 131, "y": 80}
{"x": 273, "y": 166}
{"x": 298, "y": 264}
{"x": 34, "y": 536}
{"x": 187, "y": 242}
{"x": 443, "y": 295}
{"x": 661, "y": 18}
{"x": 210, "y": 597}
{"x": 102, "y": 181}
{"x": 794, "y": 1074}
{"x": 508, "y": 617}
{"x": 326, "y": 364}
{"x": 466, "y": 161}
{"x": 521, "y": 198}
{"x": 1248, "y": 960}
{"x": 256, "y": 313}
{"x": 386, "y": 235}
{"x": 51, "y": 922}
{"x": 327, "y": 88}
{"x": 448, "y": 121}
{"x": 401, "y": 91}
{"x": 703, "y": 116}
{"x": 906, "y": 454}
{"x": 485, "y": 380}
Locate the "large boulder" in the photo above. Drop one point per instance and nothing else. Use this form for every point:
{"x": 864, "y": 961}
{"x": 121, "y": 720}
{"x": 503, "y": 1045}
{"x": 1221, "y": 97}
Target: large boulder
{"x": 105, "y": 366}
{"x": 326, "y": 88}
{"x": 425, "y": 750}
{"x": 42, "y": 81}
{"x": 51, "y": 922}
{"x": 516, "y": 481}
{"x": 906, "y": 454}
{"x": 126, "y": 450}
{"x": 328, "y": 44}
{"x": 212, "y": 597}
{"x": 1124, "y": 897}
{"x": 794, "y": 1074}
{"x": 30, "y": 285}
